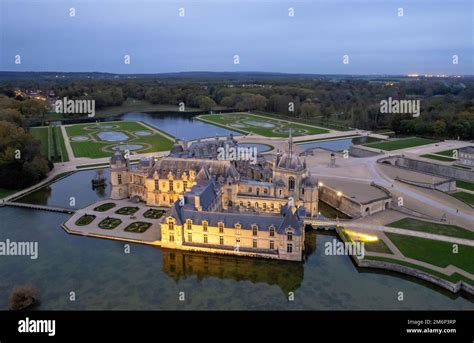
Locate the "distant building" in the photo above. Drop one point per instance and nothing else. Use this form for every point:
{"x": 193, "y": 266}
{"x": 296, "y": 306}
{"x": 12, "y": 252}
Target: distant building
{"x": 466, "y": 156}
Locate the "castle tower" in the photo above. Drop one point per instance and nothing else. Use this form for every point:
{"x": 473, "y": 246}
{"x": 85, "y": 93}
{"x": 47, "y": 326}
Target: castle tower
{"x": 119, "y": 168}
{"x": 289, "y": 170}
{"x": 310, "y": 195}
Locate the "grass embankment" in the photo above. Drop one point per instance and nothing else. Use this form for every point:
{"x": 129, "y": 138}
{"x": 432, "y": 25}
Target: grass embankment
{"x": 437, "y": 253}
{"x": 52, "y": 142}
{"x": 435, "y": 228}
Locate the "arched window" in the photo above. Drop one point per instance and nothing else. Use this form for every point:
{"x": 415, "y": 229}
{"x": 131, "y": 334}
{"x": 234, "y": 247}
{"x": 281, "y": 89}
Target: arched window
{"x": 204, "y": 225}
{"x": 291, "y": 183}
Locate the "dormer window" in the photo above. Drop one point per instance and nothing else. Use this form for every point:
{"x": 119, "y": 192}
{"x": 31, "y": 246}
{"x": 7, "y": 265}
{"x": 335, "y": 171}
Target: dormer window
{"x": 272, "y": 231}
{"x": 291, "y": 184}
{"x": 170, "y": 224}
{"x": 289, "y": 236}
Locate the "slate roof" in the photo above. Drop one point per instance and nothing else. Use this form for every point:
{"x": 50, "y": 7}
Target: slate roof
{"x": 207, "y": 191}
{"x": 467, "y": 150}
{"x": 178, "y": 165}
{"x": 117, "y": 156}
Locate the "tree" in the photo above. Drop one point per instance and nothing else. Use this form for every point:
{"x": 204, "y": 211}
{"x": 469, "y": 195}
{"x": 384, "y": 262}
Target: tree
{"x": 206, "y": 103}
{"x": 34, "y": 108}
{"x": 439, "y": 128}
{"x": 308, "y": 109}
{"x": 12, "y": 115}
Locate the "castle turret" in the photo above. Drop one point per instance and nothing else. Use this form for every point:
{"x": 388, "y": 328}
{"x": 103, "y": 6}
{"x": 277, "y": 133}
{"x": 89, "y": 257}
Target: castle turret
{"x": 119, "y": 168}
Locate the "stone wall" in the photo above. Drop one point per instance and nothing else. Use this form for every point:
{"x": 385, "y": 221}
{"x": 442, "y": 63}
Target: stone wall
{"x": 430, "y": 168}
{"x": 446, "y": 186}
{"x": 357, "y": 151}
{"x": 343, "y": 204}
{"x": 453, "y": 287}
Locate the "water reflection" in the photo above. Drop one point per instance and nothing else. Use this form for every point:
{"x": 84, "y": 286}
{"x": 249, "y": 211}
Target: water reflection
{"x": 182, "y": 265}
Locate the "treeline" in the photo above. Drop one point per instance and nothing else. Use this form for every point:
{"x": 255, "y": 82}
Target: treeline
{"x": 21, "y": 163}
{"x": 446, "y": 104}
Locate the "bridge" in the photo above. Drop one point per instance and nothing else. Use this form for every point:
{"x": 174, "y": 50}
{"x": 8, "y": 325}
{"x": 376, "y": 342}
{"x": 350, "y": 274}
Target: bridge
{"x": 320, "y": 221}
{"x": 39, "y": 207}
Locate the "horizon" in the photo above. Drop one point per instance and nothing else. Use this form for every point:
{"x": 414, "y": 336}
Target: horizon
{"x": 240, "y": 72}
{"x": 210, "y": 34}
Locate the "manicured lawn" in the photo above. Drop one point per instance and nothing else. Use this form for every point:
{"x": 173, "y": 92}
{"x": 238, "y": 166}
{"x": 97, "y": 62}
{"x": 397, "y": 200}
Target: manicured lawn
{"x": 260, "y": 125}
{"x": 436, "y": 228}
{"x": 105, "y": 207}
{"x": 452, "y": 278}
{"x": 403, "y": 143}
{"x": 138, "y": 227}
{"x": 109, "y": 223}
{"x": 85, "y": 220}
{"x": 464, "y": 196}
{"x": 434, "y": 252}
{"x": 153, "y": 213}
{"x": 127, "y": 211}
{"x": 378, "y": 246}
{"x": 41, "y": 133}
{"x": 464, "y": 184}
{"x": 52, "y": 142}
{"x": 62, "y": 145}
{"x": 447, "y": 153}
{"x": 94, "y": 147}
{"x": 438, "y": 158}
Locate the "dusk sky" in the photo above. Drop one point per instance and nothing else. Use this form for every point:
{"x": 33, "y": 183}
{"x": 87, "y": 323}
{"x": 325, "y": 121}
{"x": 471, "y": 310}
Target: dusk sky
{"x": 259, "y": 31}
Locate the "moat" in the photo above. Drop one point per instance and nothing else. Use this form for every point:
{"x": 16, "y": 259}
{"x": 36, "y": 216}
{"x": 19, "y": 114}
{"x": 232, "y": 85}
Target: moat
{"x": 103, "y": 276}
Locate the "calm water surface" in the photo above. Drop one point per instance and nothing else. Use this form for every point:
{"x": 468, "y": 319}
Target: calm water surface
{"x": 338, "y": 144}
{"x": 182, "y": 126}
